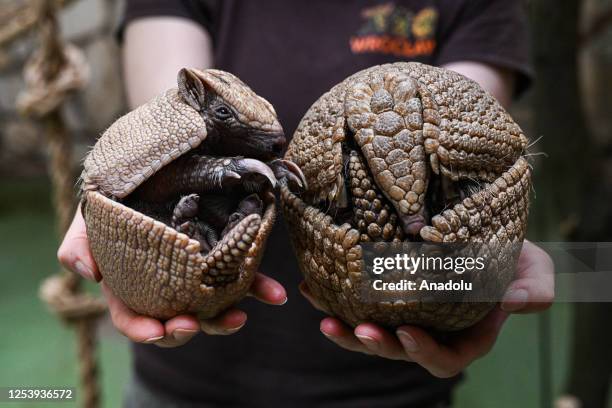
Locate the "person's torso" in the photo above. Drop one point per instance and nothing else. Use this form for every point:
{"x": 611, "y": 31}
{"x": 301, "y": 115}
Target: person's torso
{"x": 291, "y": 52}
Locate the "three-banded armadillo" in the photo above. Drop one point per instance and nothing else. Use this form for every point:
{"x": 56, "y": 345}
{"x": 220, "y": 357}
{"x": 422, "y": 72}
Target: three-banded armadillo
{"x": 177, "y": 195}
{"x": 404, "y": 152}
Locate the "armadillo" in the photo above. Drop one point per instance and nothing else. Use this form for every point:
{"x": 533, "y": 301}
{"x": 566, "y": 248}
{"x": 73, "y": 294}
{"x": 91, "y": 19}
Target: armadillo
{"x": 404, "y": 152}
{"x": 177, "y": 196}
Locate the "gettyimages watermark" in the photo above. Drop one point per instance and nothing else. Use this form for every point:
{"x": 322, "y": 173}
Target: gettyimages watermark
{"x": 478, "y": 272}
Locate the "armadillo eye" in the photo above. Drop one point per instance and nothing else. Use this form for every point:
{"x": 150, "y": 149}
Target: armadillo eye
{"x": 223, "y": 112}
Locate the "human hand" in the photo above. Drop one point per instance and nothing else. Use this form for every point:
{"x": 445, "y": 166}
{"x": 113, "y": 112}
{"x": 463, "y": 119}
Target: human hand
{"x": 532, "y": 291}
{"x": 74, "y": 254}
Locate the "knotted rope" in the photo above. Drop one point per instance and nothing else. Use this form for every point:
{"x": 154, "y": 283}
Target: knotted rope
{"x": 52, "y": 73}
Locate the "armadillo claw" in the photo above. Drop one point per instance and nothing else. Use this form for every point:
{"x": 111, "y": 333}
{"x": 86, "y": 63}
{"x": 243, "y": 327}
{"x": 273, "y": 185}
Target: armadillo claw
{"x": 247, "y": 168}
{"x": 287, "y": 171}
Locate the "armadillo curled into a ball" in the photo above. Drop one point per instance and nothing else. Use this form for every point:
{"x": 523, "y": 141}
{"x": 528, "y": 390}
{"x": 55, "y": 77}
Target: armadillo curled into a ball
{"x": 404, "y": 152}
{"x": 177, "y": 198}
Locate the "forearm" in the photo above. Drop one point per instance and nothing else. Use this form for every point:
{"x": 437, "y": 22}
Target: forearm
{"x": 499, "y": 82}
{"x": 155, "y": 49}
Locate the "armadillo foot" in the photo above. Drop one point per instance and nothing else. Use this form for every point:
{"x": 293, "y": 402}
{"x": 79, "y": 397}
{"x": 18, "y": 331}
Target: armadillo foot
{"x": 185, "y": 219}
{"x": 205, "y": 197}
{"x": 205, "y": 174}
{"x": 202, "y": 218}
{"x": 186, "y": 209}
{"x": 252, "y": 204}
{"x": 206, "y": 235}
{"x": 201, "y": 232}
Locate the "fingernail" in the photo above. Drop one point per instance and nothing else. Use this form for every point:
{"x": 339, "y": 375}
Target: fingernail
{"x": 183, "y": 334}
{"x": 283, "y": 302}
{"x": 329, "y": 336}
{"x": 153, "y": 339}
{"x": 84, "y": 270}
{"x": 408, "y": 341}
{"x": 234, "y": 330}
{"x": 370, "y": 342}
{"x": 514, "y": 300}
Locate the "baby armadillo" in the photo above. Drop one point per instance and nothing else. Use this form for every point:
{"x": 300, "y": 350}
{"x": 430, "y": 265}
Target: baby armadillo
{"x": 405, "y": 152}
{"x": 177, "y": 195}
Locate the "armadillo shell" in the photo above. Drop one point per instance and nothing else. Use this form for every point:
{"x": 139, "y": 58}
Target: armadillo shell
{"x": 140, "y": 143}
{"x": 159, "y": 272}
{"x": 439, "y": 117}
{"x": 331, "y": 258}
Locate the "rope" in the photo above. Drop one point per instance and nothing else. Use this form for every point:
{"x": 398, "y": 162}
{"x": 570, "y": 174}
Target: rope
{"x": 51, "y": 74}
{"x": 88, "y": 362}
{"x": 17, "y": 19}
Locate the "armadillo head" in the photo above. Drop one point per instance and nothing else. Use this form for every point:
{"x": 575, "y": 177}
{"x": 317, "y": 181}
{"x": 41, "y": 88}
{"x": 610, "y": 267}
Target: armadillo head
{"x": 237, "y": 119}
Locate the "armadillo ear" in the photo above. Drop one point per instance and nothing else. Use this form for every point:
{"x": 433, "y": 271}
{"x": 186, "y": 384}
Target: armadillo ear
{"x": 191, "y": 88}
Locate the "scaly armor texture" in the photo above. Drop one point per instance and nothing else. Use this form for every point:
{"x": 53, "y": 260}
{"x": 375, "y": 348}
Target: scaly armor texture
{"x": 404, "y": 152}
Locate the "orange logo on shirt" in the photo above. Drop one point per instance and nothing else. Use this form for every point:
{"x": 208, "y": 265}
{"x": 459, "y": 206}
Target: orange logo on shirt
{"x": 389, "y": 29}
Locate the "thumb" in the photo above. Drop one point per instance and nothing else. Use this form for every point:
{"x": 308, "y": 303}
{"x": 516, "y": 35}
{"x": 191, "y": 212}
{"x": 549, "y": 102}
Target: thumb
{"x": 534, "y": 287}
{"x": 74, "y": 252}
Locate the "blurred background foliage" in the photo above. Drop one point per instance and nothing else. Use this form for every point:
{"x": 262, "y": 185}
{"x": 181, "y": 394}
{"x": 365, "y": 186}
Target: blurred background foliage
{"x": 567, "y": 111}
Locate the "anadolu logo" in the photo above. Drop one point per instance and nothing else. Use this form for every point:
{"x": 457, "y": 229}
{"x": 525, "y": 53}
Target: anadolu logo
{"x": 396, "y": 30}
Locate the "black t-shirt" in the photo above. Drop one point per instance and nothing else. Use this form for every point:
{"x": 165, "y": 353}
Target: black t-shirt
{"x": 291, "y": 52}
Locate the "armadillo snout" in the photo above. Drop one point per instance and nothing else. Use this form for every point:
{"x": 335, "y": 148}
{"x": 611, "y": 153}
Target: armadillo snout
{"x": 266, "y": 145}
